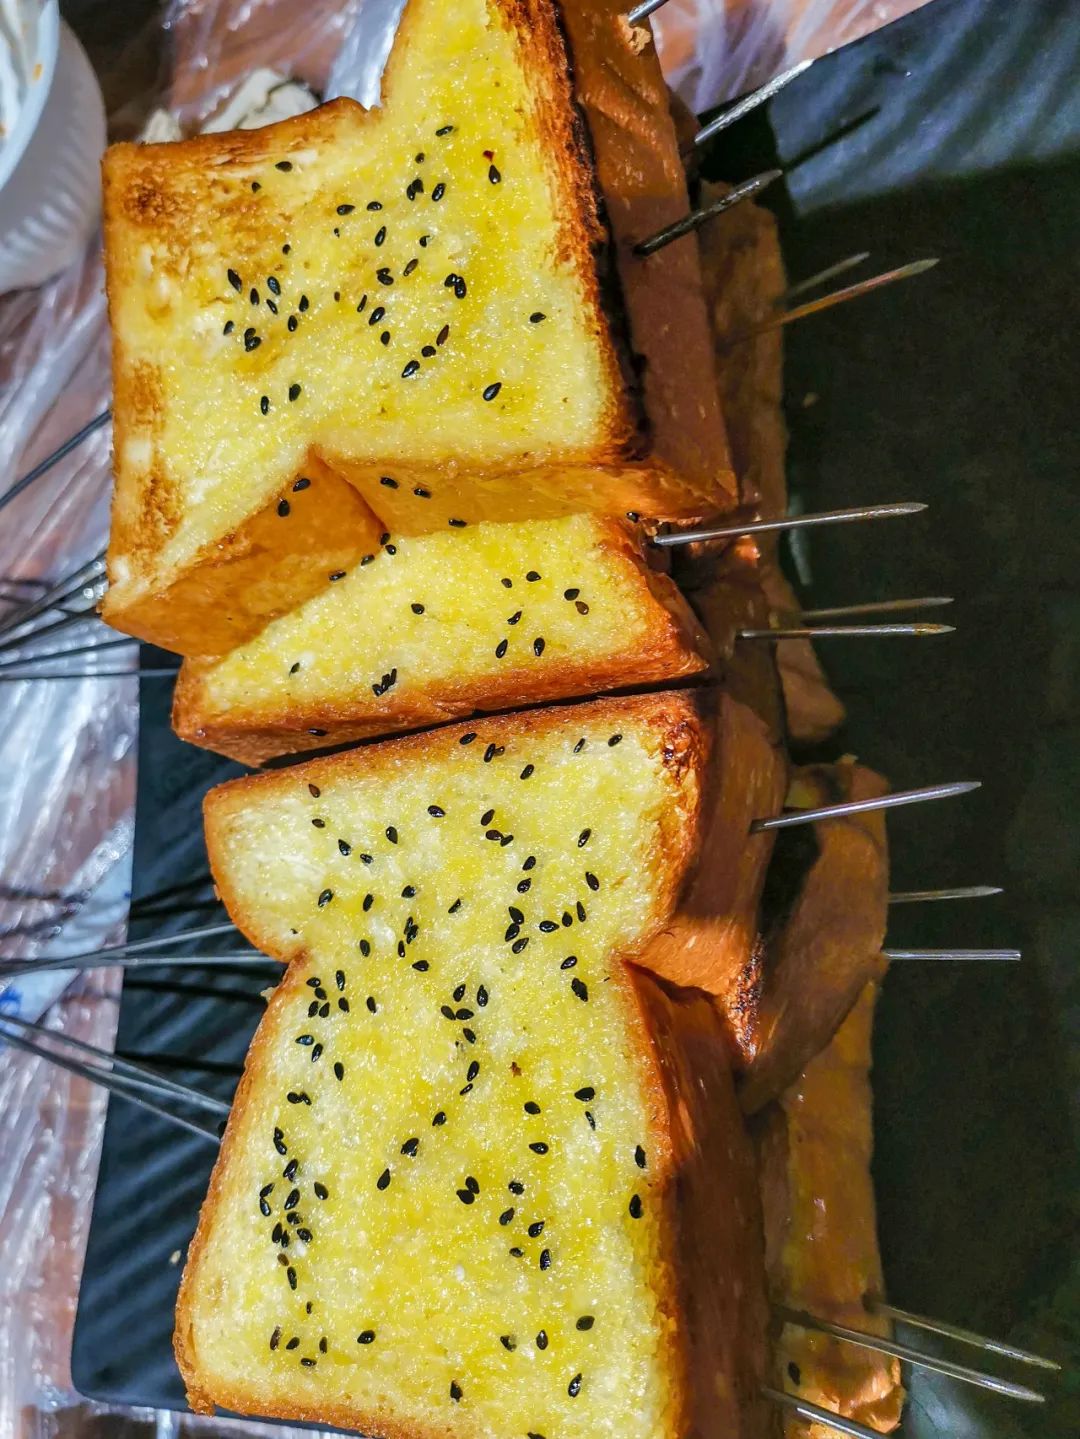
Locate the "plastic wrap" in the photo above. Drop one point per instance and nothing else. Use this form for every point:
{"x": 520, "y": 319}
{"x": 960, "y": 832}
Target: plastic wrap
{"x": 67, "y": 747}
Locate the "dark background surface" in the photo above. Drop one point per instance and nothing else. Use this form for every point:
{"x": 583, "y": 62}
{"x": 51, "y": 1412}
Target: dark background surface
{"x": 960, "y": 138}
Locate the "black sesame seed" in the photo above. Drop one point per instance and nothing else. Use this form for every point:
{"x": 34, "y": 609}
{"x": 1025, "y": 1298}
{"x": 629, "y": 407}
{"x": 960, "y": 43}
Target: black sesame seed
{"x": 422, "y": 965}
{"x": 362, "y": 306}
{"x": 339, "y": 974}
{"x": 380, "y": 234}
{"x": 230, "y": 326}
{"x": 291, "y": 324}
{"x": 294, "y": 1343}
{"x": 283, "y": 508}
{"x": 443, "y": 335}
{"x": 519, "y": 945}
{"x": 516, "y": 1187}
{"x": 374, "y": 205}
{"x": 294, "y": 392}
{"x": 524, "y": 885}
{"x": 345, "y": 209}
{"x": 545, "y": 1259}
{"x": 273, "y": 308}
{"x": 473, "y": 1071}
{"x": 586, "y": 1322}
{"x": 439, "y": 1119}
{"x": 466, "y": 1196}
{"x": 530, "y": 863}
{"x": 580, "y": 908}
{"x": 319, "y": 823}
{"x": 251, "y": 342}
{"x": 235, "y": 280}
{"x": 444, "y": 130}
{"x": 455, "y": 1390}
{"x": 391, "y": 834}
{"x": 409, "y": 268}
{"x": 454, "y": 907}
{"x": 303, "y": 303}
{"x": 410, "y": 369}
{"x": 542, "y": 1339}
{"x": 290, "y": 1275}
{"x": 469, "y": 1035}
{"x": 500, "y": 649}
{"x": 376, "y": 315}
{"x": 635, "y": 1207}
{"x": 325, "y": 898}
{"x": 324, "y": 1010}
{"x": 580, "y": 988}
{"x": 366, "y": 1336}
{"x": 527, "y": 771}
{"x": 583, "y": 838}
{"x": 384, "y": 276}
{"x": 460, "y": 288}
{"x": 574, "y": 1387}
{"x": 456, "y": 524}
{"x": 585, "y": 1094}
{"x": 383, "y": 1180}
{"x": 283, "y": 165}
{"x": 253, "y": 295}
{"x": 538, "y": 1147}
{"x": 300, "y": 1097}
{"x": 365, "y": 948}
{"x": 275, "y": 1338}
{"x": 536, "y": 317}
{"x": 294, "y": 668}
{"x": 372, "y": 1006}
{"x": 492, "y": 390}
{"x": 493, "y": 175}
{"x": 591, "y": 880}
{"x": 321, "y": 1191}
{"x": 489, "y": 753}
{"x": 337, "y": 575}
{"x": 507, "y": 1341}
{"x": 547, "y": 926}
{"x": 536, "y": 1229}
{"x": 639, "y": 1157}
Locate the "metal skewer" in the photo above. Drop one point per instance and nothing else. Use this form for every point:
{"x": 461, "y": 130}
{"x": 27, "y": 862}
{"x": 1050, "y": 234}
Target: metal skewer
{"x": 817, "y": 632}
{"x": 45, "y": 465}
{"x": 838, "y": 297}
{"x": 90, "y": 675}
{"x": 82, "y": 577}
{"x": 696, "y": 218}
{"x": 815, "y": 1412}
{"x": 750, "y": 102}
{"x": 963, "y": 1336}
{"x": 237, "y": 959}
{"x": 829, "y": 273}
{"x": 91, "y": 647}
{"x": 922, "y": 896}
{"x": 860, "y": 806}
{"x": 734, "y": 529}
{"x": 1006, "y": 956}
{"x": 643, "y": 11}
{"x": 18, "y": 1032}
{"x": 912, "y": 1356}
{"x": 878, "y": 607}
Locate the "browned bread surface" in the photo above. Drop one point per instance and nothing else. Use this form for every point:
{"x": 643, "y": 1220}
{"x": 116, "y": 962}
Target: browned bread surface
{"x": 822, "y": 1253}
{"x": 531, "y": 365}
{"x": 826, "y": 948}
{"x": 438, "y": 626}
{"x": 505, "y": 1165}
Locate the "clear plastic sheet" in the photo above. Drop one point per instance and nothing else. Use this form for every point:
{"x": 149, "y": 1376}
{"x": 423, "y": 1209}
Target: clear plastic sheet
{"x": 67, "y": 747}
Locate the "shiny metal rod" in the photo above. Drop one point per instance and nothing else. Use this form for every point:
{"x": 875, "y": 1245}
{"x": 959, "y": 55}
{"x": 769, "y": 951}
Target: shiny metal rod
{"x": 829, "y": 273}
{"x": 963, "y": 1336}
{"x": 85, "y": 575}
{"x": 1005, "y": 956}
{"x": 924, "y": 896}
{"x": 790, "y": 522}
{"x": 142, "y": 946}
{"x": 814, "y": 1412}
{"x": 912, "y": 1356}
{"x": 817, "y": 632}
{"x": 643, "y": 11}
{"x": 696, "y": 218}
{"x": 92, "y": 647}
{"x": 90, "y": 675}
{"x": 44, "y": 466}
{"x": 878, "y": 607}
{"x": 107, "y": 1081}
{"x": 860, "y": 806}
{"x": 750, "y": 102}
{"x": 16, "y": 968}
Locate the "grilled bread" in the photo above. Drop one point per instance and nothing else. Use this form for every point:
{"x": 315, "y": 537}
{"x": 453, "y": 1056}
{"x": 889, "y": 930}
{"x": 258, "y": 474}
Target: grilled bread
{"x": 439, "y": 299}
{"x": 821, "y": 1237}
{"x": 438, "y": 626}
{"x": 445, "y": 1201}
{"x": 824, "y": 943}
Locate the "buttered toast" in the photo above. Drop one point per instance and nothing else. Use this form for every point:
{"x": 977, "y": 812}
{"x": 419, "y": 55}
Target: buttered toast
{"x": 446, "y": 1198}
{"x": 438, "y": 299}
{"x": 433, "y": 627}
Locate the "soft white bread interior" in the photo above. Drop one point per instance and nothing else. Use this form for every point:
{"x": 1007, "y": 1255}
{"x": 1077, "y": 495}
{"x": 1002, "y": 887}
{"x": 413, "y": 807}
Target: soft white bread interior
{"x": 482, "y": 1177}
{"x": 441, "y": 293}
{"x": 429, "y": 628}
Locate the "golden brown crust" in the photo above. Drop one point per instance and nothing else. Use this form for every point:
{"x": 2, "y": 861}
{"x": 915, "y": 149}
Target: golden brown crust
{"x": 815, "y": 1145}
{"x": 828, "y": 947}
{"x": 659, "y": 447}
{"x": 710, "y": 943}
{"x": 265, "y": 568}
{"x": 674, "y": 649}
{"x": 676, "y": 718}
{"x": 715, "y": 1215}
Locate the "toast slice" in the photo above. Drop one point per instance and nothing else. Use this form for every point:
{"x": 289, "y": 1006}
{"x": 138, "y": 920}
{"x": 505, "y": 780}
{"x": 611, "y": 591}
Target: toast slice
{"x": 438, "y": 298}
{"x": 438, "y": 626}
{"x": 445, "y": 1201}
{"x": 821, "y": 1233}
{"x": 830, "y": 905}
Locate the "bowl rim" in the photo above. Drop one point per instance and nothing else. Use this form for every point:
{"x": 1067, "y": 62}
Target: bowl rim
{"x": 46, "y": 54}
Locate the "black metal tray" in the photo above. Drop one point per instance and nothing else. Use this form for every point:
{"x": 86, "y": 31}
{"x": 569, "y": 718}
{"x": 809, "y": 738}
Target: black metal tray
{"x": 959, "y": 389}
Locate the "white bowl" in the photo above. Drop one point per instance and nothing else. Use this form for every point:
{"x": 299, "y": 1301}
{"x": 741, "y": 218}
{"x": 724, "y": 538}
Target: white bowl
{"x": 50, "y": 185}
